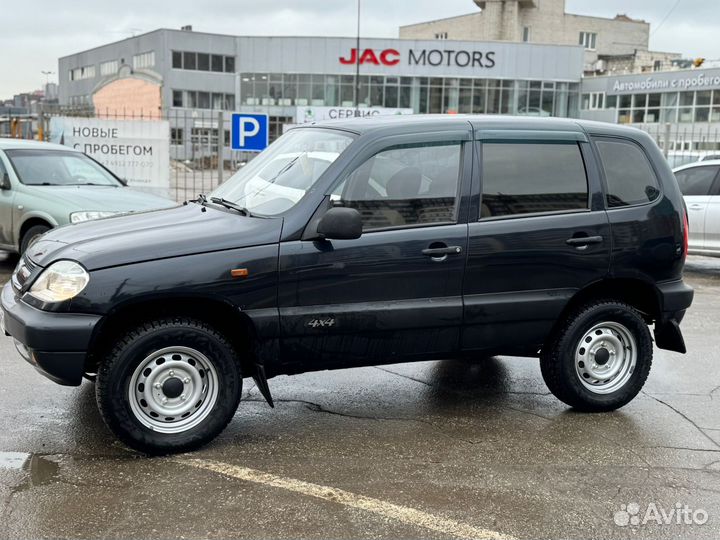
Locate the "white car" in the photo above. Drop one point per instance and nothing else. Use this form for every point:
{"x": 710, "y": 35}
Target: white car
{"x": 679, "y": 158}
{"x": 700, "y": 186}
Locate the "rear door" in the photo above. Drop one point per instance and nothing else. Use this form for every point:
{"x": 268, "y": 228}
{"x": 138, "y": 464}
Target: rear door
{"x": 696, "y": 184}
{"x": 712, "y": 218}
{"x": 395, "y": 293}
{"x": 540, "y": 235}
{"x": 7, "y": 197}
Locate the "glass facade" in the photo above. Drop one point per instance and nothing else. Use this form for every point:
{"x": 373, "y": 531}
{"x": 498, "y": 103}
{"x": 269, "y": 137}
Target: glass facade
{"x": 686, "y": 107}
{"x": 422, "y": 94}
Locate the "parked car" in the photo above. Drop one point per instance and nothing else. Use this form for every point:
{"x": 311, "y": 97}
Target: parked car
{"x": 700, "y": 185}
{"x": 44, "y": 185}
{"x": 533, "y": 111}
{"x": 373, "y": 241}
{"x": 679, "y": 158}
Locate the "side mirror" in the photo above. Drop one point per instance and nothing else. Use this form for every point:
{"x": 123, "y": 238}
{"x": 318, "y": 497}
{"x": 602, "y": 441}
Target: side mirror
{"x": 5, "y": 181}
{"x": 340, "y": 224}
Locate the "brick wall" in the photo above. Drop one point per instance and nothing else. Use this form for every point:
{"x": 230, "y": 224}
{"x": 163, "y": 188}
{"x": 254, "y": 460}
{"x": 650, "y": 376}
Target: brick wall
{"x": 129, "y": 97}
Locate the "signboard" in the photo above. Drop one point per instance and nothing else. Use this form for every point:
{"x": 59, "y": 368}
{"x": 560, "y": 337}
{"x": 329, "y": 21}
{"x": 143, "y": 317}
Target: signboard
{"x": 137, "y": 151}
{"x": 304, "y": 115}
{"x": 250, "y": 132}
{"x": 671, "y": 81}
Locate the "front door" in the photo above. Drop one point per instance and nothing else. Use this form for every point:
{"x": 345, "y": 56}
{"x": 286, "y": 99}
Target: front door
{"x": 712, "y": 219}
{"x": 395, "y": 292}
{"x": 539, "y": 237}
{"x": 695, "y": 184}
{"x": 7, "y": 197}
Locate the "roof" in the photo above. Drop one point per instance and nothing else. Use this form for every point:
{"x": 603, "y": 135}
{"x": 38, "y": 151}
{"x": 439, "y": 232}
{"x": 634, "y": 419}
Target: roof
{"x": 17, "y": 144}
{"x": 392, "y": 124}
{"x": 704, "y": 163}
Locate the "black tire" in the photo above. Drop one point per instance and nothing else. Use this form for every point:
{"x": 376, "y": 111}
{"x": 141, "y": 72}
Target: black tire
{"x": 31, "y": 235}
{"x": 116, "y": 372}
{"x": 561, "y": 367}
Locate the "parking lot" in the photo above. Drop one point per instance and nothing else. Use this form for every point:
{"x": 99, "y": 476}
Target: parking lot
{"x": 434, "y": 450}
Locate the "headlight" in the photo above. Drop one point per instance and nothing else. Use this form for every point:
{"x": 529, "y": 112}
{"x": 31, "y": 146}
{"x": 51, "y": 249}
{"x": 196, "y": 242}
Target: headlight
{"x": 77, "y": 217}
{"x": 60, "y": 281}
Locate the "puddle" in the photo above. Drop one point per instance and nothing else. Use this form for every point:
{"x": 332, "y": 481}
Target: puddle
{"x": 39, "y": 470}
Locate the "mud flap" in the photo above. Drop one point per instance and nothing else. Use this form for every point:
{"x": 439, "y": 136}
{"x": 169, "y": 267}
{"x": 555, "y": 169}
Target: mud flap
{"x": 669, "y": 337}
{"x": 262, "y": 384}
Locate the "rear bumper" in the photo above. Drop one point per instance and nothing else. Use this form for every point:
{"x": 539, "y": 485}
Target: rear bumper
{"x": 675, "y": 298}
{"x": 54, "y": 343}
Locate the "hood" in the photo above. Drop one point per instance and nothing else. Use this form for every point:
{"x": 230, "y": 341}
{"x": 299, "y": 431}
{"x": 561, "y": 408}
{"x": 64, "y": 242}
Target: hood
{"x": 133, "y": 238}
{"x": 100, "y": 198}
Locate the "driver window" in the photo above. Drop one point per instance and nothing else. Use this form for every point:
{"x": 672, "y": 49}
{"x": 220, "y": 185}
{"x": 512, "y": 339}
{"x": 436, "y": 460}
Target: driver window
{"x": 404, "y": 186}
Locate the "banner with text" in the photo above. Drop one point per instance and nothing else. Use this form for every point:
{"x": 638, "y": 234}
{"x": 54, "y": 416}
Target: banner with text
{"x": 303, "y": 115}
{"x": 136, "y": 150}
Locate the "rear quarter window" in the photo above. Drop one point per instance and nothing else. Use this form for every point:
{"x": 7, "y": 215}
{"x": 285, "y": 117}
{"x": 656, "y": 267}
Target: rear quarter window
{"x": 630, "y": 177}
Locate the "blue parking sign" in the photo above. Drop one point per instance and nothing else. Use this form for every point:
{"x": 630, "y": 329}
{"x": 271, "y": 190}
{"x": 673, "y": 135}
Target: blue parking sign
{"x": 250, "y": 132}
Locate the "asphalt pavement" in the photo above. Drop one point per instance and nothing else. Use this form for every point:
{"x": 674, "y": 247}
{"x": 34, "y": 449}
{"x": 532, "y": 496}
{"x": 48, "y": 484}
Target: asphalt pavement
{"x": 428, "y": 450}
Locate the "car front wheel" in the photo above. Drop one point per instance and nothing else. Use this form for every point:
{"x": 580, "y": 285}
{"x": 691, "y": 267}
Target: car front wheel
{"x": 169, "y": 386}
{"x": 600, "y": 358}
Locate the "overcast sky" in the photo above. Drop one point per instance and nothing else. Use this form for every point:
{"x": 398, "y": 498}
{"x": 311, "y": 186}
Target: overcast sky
{"x": 34, "y": 34}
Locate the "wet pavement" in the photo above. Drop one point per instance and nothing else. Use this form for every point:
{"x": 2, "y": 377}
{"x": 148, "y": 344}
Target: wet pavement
{"x": 433, "y": 450}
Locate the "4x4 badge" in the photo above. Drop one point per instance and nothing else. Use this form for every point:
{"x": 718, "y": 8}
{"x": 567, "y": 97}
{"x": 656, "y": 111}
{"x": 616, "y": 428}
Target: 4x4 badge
{"x": 321, "y": 323}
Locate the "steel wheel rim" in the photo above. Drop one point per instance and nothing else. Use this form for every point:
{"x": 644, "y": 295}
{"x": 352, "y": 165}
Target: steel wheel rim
{"x": 606, "y": 357}
{"x": 173, "y": 389}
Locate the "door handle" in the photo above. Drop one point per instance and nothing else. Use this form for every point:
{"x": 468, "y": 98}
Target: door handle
{"x": 582, "y": 241}
{"x": 696, "y": 206}
{"x": 440, "y": 251}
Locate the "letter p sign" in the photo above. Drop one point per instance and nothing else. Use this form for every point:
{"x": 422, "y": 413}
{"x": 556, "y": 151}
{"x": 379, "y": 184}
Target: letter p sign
{"x": 249, "y": 132}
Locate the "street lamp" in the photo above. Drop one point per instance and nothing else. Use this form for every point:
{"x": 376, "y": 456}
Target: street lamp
{"x": 47, "y": 76}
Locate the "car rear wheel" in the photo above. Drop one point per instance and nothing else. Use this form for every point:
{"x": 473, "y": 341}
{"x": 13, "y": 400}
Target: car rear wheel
{"x": 169, "y": 386}
{"x": 31, "y": 235}
{"x": 600, "y": 358}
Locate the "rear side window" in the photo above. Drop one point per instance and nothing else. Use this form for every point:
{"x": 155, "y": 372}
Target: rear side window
{"x": 529, "y": 178}
{"x": 696, "y": 180}
{"x": 630, "y": 178}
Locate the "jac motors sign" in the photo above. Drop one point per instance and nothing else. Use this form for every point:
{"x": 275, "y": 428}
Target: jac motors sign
{"x": 420, "y": 57}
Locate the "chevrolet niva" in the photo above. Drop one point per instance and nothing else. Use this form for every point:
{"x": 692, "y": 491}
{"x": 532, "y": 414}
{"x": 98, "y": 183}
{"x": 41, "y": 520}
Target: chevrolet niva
{"x": 363, "y": 242}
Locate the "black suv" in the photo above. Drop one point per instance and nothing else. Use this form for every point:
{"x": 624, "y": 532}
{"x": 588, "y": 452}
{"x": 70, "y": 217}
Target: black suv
{"x": 366, "y": 242}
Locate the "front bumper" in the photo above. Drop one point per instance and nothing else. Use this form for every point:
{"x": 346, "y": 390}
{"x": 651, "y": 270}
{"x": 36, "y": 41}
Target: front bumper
{"x": 54, "y": 343}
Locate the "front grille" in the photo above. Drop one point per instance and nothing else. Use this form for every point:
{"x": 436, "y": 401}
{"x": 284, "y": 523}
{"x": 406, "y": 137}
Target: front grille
{"x": 22, "y": 273}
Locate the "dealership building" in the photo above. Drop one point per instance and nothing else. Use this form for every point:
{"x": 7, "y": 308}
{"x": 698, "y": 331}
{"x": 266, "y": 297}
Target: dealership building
{"x": 182, "y": 74}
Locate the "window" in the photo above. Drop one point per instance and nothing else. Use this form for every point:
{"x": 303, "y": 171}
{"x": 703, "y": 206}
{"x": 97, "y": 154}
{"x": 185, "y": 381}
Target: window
{"x": 177, "y": 60}
{"x": 86, "y": 72}
{"x": 530, "y": 178}
{"x": 109, "y": 68}
{"x": 176, "y": 135}
{"x": 526, "y": 34}
{"x": 629, "y": 175}
{"x": 177, "y": 97}
{"x": 404, "y": 186}
{"x": 217, "y": 63}
{"x": 696, "y": 180}
{"x": 189, "y": 60}
{"x": 144, "y": 60}
{"x": 588, "y": 40}
{"x": 441, "y": 35}
{"x": 198, "y": 61}
{"x": 203, "y": 62}
{"x": 593, "y": 101}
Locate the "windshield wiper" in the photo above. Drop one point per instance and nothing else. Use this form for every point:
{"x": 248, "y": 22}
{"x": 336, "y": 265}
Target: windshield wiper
{"x": 231, "y": 205}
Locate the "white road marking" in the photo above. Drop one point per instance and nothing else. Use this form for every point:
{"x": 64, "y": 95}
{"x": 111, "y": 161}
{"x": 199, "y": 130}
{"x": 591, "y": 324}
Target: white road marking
{"x": 396, "y": 512}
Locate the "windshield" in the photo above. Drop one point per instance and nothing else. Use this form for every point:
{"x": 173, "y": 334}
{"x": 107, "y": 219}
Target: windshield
{"x": 40, "y": 167}
{"x": 279, "y": 177}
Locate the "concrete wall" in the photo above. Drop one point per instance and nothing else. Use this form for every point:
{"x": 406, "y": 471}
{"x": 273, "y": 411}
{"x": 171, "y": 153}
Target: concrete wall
{"x": 548, "y": 23}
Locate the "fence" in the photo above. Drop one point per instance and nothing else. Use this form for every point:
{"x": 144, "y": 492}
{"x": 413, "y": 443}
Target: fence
{"x": 199, "y": 142}
{"x": 201, "y": 157}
